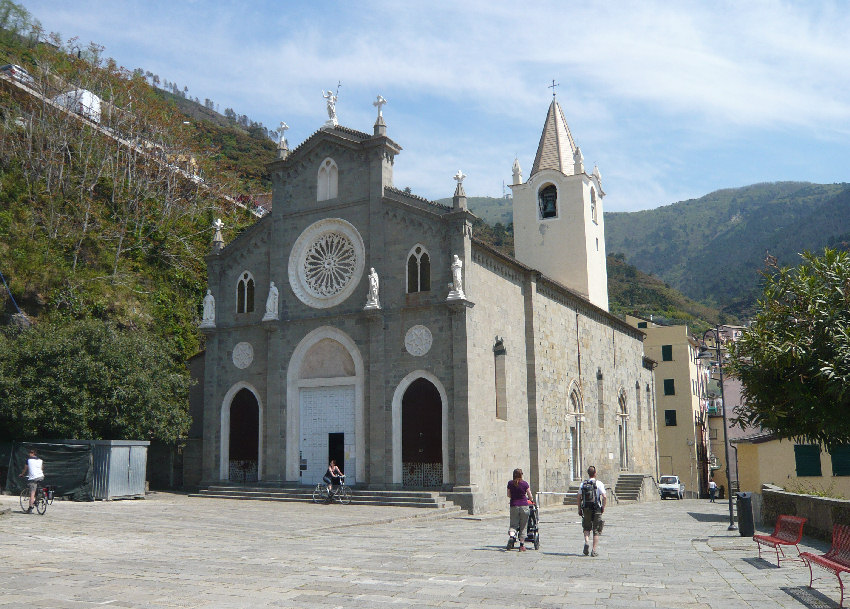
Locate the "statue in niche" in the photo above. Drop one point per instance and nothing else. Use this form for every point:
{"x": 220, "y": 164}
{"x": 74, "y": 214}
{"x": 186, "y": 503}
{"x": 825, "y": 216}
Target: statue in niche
{"x": 456, "y": 286}
{"x": 208, "y": 319}
{"x": 271, "y": 303}
{"x": 372, "y": 299}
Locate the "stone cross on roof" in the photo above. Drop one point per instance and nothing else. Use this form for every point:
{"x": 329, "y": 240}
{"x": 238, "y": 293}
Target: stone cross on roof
{"x": 218, "y": 224}
{"x": 379, "y": 103}
{"x": 459, "y": 177}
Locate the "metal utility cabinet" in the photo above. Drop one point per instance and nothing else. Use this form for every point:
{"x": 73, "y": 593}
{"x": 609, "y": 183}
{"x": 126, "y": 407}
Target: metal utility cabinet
{"x": 119, "y": 468}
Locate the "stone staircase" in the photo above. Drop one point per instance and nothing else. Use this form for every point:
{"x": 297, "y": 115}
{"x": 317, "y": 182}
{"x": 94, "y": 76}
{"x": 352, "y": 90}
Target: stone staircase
{"x": 399, "y": 498}
{"x": 628, "y": 487}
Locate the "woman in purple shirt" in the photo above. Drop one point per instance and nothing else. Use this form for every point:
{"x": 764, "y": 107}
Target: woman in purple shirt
{"x": 519, "y": 492}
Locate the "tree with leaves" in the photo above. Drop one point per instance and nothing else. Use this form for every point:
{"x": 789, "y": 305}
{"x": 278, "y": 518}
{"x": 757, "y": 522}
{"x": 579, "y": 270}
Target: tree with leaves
{"x": 794, "y": 360}
{"x": 89, "y": 379}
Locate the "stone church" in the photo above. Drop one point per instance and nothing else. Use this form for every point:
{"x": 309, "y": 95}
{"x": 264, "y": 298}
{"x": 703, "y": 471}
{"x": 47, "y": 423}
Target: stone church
{"x": 365, "y": 324}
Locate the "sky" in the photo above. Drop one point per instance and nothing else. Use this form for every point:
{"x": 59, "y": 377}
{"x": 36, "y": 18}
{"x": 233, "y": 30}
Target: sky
{"x": 672, "y": 100}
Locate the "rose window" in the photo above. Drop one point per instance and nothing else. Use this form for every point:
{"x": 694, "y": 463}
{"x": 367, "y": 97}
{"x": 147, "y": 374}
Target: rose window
{"x": 329, "y": 264}
{"x": 326, "y": 263}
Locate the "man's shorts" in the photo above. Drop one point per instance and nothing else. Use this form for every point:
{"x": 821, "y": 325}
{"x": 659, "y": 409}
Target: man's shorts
{"x": 592, "y": 521}
{"x": 33, "y": 484}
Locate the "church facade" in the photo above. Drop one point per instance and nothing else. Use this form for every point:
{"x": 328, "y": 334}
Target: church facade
{"x": 360, "y": 323}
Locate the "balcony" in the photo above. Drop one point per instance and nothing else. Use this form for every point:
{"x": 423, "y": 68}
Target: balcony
{"x": 715, "y": 410}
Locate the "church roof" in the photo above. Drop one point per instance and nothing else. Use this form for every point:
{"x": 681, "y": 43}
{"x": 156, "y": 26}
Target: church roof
{"x": 556, "y": 147}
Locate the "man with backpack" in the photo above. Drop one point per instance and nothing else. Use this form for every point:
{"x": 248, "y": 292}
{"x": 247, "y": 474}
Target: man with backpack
{"x": 591, "y": 505}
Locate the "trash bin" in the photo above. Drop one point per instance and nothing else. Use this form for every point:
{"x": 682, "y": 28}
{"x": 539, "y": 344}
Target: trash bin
{"x": 744, "y": 503}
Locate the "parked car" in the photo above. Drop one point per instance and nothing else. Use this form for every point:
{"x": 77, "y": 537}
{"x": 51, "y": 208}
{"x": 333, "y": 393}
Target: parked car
{"x": 670, "y": 486}
{"x": 16, "y": 72}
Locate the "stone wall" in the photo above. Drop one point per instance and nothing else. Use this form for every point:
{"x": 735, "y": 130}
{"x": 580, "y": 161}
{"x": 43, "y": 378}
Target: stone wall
{"x": 822, "y": 512}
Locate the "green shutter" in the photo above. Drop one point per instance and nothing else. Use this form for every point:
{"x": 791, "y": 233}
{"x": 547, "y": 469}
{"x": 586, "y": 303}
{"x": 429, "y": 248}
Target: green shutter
{"x": 840, "y": 460}
{"x": 669, "y": 386}
{"x": 807, "y": 457}
{"x": 667, "y": 353}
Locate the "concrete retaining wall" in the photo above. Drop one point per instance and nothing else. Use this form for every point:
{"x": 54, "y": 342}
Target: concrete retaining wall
{"x": 822, "y": 513}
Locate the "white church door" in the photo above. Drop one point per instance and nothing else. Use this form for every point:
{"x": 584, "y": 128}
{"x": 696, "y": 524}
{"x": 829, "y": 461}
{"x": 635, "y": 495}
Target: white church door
{"x": 325, "y": 421}
{"x": 327, "y": 431}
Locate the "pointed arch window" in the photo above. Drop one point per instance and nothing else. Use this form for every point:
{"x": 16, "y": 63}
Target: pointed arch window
{"x": 547, "y": 202}
{"x": 328, "y": 181}
{"x": 245, "y": 293}
{"x": 418, "y": 270}
{"x": 637, "y": 404}
{"x": 593, "y": 206}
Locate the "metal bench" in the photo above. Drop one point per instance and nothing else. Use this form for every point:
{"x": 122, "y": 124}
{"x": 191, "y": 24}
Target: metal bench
{"x": 787, "y": 532}
{"x": 836, "y": 560}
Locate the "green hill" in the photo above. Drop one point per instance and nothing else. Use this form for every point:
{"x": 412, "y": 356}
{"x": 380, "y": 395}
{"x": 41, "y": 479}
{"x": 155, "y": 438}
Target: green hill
{"x": 712, "y": 248}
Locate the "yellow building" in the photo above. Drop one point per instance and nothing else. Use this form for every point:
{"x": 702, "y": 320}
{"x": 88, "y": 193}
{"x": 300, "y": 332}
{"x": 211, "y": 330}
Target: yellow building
{"x": 796, "y": 467}
{"x": 682, "y": 423}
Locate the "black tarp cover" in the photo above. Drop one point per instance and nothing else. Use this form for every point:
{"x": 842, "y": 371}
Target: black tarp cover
{"x": 68, "y": 467}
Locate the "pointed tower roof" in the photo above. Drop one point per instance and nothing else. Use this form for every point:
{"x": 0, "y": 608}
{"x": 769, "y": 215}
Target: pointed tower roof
{"x": 556, "y": 147}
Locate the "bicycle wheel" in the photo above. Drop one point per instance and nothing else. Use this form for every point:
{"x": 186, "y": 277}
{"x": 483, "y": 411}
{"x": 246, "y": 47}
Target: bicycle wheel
{"x": 320, "y": 493}
{"x": 41, "y": 504}
{"x": 25, "y": 499}
{"x": 344, "y": 495}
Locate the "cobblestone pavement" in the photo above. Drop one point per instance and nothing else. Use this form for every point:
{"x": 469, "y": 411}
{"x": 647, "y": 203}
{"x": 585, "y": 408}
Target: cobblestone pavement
{"x": 175, "y": 551}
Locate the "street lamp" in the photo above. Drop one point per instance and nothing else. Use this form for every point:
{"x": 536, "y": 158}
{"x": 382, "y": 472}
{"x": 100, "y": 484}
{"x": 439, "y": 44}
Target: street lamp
{"x": 705, "y": 354}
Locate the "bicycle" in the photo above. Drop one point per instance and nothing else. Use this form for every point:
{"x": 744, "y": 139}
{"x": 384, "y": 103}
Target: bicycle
{"x": 342, "y": 494}
{"x": 43, "y": 497}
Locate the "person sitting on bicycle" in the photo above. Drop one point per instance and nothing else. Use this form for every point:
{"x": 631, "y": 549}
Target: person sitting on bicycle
{"x": 34, "y": 471}
{"x": 332, "y": 476}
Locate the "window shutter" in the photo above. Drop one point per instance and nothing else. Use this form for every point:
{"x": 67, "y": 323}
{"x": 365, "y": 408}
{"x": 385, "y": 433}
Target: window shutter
{"x": 807, "y": 457}
{"x": 840, "y": 460}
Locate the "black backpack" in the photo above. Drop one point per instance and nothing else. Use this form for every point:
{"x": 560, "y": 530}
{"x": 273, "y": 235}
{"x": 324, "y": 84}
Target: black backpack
{"x": 589, "y": 495}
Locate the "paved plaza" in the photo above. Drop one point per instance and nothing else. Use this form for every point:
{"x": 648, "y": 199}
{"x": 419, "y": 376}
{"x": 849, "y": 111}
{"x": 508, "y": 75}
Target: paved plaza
{"x": 175, "y": 551}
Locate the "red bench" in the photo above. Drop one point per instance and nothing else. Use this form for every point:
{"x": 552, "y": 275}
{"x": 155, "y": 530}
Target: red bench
{"x": 836, "y": 560}
{"x": 787, "y": 532}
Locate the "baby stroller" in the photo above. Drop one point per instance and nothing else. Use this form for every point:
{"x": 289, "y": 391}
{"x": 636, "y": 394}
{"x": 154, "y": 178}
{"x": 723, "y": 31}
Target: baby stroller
{"x": 532, "y": 532}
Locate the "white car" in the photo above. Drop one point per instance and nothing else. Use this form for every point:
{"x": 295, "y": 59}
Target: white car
{"x": 670, "y": 486}
{"x": 16, "y": 72}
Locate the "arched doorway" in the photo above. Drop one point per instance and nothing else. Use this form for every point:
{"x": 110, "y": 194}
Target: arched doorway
{"x": 324, "y": 418}
{"x": 241, "y": 447}
{"x": 244, "y": 442}
{"x": 623, "y": 431}
{"x": 421, "y": 435}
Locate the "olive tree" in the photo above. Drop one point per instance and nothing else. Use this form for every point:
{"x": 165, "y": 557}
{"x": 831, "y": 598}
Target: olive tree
{"x": 794, "y": 360}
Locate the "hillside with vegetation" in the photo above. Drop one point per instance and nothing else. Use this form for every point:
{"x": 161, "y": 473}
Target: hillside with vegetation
{"x": 100, "y": 221}
{"x": 713, "y": 248}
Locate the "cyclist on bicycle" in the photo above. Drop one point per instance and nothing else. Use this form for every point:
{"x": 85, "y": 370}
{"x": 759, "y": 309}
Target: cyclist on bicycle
{"x": 332, "y": 476}
{"x": 34, "y": 471}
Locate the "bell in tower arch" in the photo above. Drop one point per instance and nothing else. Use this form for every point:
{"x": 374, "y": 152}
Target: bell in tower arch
{"x": 547, "y": 200}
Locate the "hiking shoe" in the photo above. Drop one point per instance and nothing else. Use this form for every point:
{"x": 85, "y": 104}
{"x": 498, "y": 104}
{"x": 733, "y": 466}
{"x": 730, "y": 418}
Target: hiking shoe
{"x": 522, "y": 548}
{"x": 594, "y": 553}
{"x": 586, "y": 549}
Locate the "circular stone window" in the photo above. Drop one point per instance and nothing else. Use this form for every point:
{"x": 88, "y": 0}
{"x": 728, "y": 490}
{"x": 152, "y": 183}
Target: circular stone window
{"x": 418, "y": 341}
{"x": 326, "y": 263}
{"x": 243, "y": 355}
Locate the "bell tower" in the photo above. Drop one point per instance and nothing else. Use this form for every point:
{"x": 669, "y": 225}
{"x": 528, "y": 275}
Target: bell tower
{"x": 558, "y": 224}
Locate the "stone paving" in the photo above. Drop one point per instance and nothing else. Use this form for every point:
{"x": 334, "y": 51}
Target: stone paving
{"x": 174, "y": 551}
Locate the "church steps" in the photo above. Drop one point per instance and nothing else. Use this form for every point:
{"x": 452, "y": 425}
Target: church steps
{"x": 401, "y": 498}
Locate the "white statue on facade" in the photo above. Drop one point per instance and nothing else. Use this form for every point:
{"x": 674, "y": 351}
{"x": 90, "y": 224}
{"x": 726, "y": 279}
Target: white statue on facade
{"x": 271, "y": 303}
{"x": 330, "y": 98}
{"x": 372, "y": 299}
{"x": 208, "y": 319}
{"x": 282, "y": 145}
{"x": 456, "y": 286}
